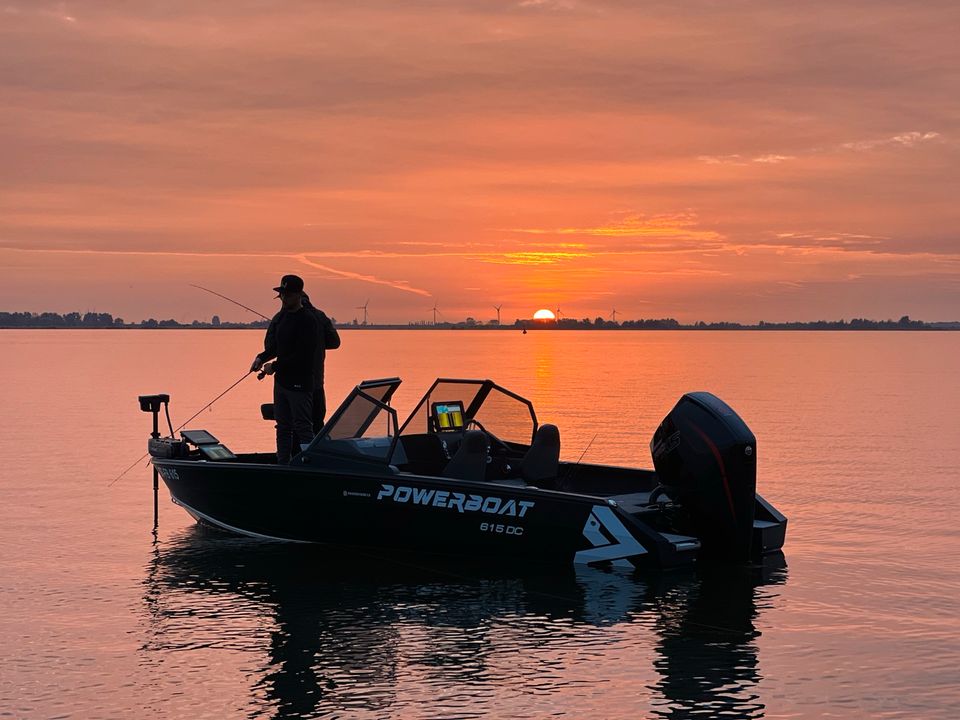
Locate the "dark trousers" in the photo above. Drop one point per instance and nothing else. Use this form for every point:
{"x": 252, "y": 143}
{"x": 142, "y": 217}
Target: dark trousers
{"x": 293, "y": 410}
{"x": 319, "y": 408}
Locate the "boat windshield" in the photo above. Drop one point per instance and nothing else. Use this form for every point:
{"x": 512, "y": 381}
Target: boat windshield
{"x": 362, "y": 413}
{"x": 503, "y": 413}
{"x": 508, "y": 416}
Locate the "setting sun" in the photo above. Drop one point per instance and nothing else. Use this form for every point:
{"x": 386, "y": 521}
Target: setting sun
{"x": 544, "y": 314}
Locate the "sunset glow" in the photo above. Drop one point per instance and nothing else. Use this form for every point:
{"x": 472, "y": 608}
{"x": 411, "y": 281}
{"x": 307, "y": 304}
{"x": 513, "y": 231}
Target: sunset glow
{"x": 706, "y": 162}
{"x": 544, "y": 314}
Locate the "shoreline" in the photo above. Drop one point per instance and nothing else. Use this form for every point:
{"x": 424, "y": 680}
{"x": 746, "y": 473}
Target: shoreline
{"x": 931, "y": 327}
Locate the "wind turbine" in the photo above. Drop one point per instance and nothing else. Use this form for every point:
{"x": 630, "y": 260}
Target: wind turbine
{"x": 435, "y": 311}
{"x": 557, "y": 315}
{"x": 613, "y": 315}
{"x": 364, "y": 308}
{"x": 497, "y": 308}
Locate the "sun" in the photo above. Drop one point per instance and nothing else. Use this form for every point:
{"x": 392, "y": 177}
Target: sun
{"x": 544, "y": 314}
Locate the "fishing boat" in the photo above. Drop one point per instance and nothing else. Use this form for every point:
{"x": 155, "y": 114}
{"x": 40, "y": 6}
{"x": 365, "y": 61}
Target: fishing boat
{"x": 472, "y": 474}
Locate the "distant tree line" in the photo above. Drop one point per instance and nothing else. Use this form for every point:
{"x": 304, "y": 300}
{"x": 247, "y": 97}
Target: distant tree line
{"x": 106, "y": 320}
{"x": 51, "y": 319}
{"x": 904, "y": 323}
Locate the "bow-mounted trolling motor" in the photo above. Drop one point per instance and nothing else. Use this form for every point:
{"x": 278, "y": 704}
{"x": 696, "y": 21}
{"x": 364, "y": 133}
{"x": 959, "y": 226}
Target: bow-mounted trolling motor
{"x": 706, "y": 460}
{"x": 162, "y": 447}
{"x": 152, "y": 404}
{"x": 170, "y": 447}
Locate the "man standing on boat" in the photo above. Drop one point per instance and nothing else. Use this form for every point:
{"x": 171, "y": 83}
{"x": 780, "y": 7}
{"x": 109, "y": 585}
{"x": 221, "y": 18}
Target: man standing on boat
{"x": 329, "y": 339}
{"x": 291, "y": 338}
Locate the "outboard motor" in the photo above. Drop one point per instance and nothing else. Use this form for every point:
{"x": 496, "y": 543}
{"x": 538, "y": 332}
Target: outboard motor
{"x": 706, "y": 460}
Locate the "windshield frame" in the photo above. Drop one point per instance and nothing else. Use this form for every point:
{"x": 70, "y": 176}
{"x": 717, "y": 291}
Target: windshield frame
{"x": 319, "y": 443}
{"x": 471, "y": 408}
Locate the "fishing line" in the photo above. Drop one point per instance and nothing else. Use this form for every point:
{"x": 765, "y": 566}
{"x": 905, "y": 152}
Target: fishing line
{"x": 174, "y": 431}
{"x": 242, "y": 378}
{"x": 214, "y": 292}
{"x": 135, "y": 463}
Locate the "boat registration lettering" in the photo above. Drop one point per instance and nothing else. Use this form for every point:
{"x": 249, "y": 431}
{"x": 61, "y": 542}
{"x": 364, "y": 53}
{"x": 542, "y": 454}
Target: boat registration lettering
{"x": 490, "y": 504}
{"x": 168, "y": 473}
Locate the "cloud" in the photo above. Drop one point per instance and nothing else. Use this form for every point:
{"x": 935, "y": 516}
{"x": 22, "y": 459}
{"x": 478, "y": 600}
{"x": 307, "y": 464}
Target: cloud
{"x": 372, "y": 279}
{"x": 734, "y": 159}
{"x": 548, "y": 4}
{"x": 636, "y": 225}
{"x": 907, "y": 139}
{"x": 531, "y": 257}
{"x": 838, "y": 240}
{"x": 402, "y": 285}
{"x": 737, "y": 159}
{"x": 773, "y": 159}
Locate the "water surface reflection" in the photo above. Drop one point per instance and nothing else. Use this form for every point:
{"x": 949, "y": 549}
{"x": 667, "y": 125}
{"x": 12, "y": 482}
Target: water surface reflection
{"x": 363, "y": 635}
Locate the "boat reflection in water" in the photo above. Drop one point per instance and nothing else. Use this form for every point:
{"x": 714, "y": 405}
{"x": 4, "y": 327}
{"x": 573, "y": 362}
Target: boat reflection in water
{"x": 370, "y": 636}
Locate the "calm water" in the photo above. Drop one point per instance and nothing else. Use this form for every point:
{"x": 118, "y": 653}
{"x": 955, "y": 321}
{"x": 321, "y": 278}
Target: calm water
{"x": 858, "y": 442}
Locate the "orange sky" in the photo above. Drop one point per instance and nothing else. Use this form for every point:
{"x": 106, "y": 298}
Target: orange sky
{"x": 699, "y": 160}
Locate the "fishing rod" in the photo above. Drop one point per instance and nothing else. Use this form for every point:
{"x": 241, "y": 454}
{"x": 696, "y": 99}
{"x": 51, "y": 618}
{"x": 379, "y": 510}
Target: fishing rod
{"x": 576, "y": 467}
{"x": 173, "y": 431}
{"x": 214, "y": 292}
{"x": 262, "y": 373}
{"x": 587, "y": 448}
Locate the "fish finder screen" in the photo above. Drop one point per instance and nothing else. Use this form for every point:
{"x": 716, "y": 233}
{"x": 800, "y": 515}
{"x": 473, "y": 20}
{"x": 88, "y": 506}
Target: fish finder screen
{"x": 216, "y": 452}
{"x": 448, "y": 416}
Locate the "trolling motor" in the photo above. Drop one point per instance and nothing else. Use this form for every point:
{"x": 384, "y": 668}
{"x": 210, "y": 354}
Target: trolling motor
{"x": 151, "y": 404}
{"x": 162, "y": 447}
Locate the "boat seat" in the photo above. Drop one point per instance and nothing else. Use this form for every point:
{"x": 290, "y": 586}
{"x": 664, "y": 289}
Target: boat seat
{"x": 543, "y": 458}
{"x": 470, "y": 460}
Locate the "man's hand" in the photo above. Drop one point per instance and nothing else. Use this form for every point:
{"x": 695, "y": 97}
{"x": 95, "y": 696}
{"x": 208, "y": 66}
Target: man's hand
{"x": 257, "y": 364}
{"x": 268, "y": 368}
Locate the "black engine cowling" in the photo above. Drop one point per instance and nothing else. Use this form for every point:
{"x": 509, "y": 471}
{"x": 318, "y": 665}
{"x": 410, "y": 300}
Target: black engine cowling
{"x": 706, "y": 460}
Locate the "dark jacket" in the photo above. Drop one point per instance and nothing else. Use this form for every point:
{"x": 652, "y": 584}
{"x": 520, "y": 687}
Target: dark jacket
{"x": 293, "y": 338}
{"x": 328, "y": 339}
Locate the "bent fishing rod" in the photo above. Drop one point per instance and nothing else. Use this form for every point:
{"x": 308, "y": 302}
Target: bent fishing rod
{"x": 214, "y": 292}
{"x": 173, "y": 431}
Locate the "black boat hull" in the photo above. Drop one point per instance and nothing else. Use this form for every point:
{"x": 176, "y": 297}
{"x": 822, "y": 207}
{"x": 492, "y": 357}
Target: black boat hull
{"x": 460, "y": 479}
{"x": 431, "y": 515}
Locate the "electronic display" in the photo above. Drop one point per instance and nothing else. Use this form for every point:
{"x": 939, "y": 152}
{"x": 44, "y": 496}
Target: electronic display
{"x": 198, "y": 437}
{"x": 216, "y": 452}
{"x": 448, "y": 416}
